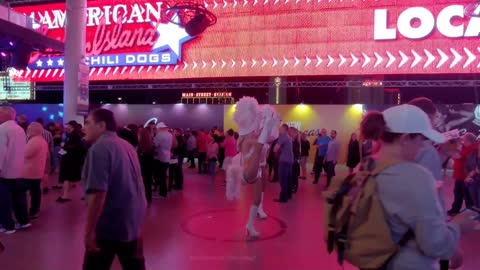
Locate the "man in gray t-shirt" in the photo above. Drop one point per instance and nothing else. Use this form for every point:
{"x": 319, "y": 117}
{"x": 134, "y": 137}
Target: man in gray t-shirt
{"x": 115, "y": 196}
{"x": 284, "y": 149}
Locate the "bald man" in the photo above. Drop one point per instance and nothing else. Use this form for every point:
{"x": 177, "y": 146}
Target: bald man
{"x": 12, "y": 187}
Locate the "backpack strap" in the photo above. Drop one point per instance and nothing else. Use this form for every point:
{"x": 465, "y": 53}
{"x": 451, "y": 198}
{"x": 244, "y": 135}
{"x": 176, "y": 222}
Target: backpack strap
{"x": 340, "y": 239}
{"x": 409, "y": 235}
{"x": 336, "y": 202}
{"x": 444, "y": 264}
{"x": 342, "y": 243}
{"x": 380, "y": 166}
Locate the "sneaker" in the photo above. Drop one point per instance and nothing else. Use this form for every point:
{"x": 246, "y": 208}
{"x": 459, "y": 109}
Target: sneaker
{"x": 24, "y": 226}
{"x": 5, "y": 231}
{"x": 33, "y": 216}
{"x": 452, "y": 212}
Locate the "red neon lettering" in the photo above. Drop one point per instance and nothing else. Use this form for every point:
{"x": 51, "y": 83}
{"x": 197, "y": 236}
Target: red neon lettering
{"x": 108, "y": 38}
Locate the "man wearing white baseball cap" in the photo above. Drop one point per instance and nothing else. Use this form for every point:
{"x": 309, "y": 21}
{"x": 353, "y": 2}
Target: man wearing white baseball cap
{"x": 409, "y": 119}
{"x": 163, "y": 145}
{"x": 406, "y": 190}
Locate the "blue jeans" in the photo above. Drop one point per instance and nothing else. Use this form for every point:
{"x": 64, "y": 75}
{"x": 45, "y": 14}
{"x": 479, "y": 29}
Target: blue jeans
{"x": 160, "y": 177}
{"x": 130, "y": 255}
{"x": 285, "y": 170}
{"x": 13, "y": 196}
{"x": 474, "y": 189}
{"x": 330, "y": 170}
{"x": 54, "y": 158}
{"x": 212, "y": 165}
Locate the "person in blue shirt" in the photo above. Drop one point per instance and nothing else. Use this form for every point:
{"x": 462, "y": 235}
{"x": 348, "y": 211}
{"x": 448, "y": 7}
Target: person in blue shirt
{"x": 322, "y": 145}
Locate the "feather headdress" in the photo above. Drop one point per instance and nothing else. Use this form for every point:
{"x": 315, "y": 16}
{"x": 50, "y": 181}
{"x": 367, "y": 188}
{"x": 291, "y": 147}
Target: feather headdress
{"x": 246, "y": 115}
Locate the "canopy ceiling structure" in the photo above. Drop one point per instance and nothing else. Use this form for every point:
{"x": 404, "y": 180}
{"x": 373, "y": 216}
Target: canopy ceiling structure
{"x": 16, "y": 27}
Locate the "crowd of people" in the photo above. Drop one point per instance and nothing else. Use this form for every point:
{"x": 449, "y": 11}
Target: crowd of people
{"x": 123, "y": 169}
{"x": 162, "y": 152}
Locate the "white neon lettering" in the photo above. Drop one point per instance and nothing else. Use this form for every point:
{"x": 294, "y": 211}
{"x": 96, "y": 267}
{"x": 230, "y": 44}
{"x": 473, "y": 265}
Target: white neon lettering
{"x": 381, "y": 30}
{"x": 94, "y": 60}
{"x": 136, "y": 14}
{"x": 153, "y": 58}
{"x": 151, "y": 10}
{"x": 130, "y": 59}
{"x": 111, "y": 61}
{"x": 116, "y": 13}
{"x": 142, "y": 58}
{"x": 473, "y": 28}
{"x": 444, "y": 21}
{"x": 59, "y": 18}
{"x": 46, "y": 19}
{"x": 106, "y": 12}
{"x": 427, "y": 23}
{"x": 166, "y": 58}
{"x": 94, "y": 14}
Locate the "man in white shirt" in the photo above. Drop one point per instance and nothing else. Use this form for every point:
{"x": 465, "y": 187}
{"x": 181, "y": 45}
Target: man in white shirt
{"x": 191, "y": 148}
{"x": 163, "y": 146}
{"x": 12, "y": 189}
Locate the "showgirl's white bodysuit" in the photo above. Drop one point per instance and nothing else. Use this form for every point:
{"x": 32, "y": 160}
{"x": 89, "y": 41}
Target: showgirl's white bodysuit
{"x": 235, "y": 172}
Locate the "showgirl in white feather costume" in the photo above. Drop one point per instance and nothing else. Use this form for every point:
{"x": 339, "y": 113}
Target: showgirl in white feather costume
{"x": 257, "y": 126}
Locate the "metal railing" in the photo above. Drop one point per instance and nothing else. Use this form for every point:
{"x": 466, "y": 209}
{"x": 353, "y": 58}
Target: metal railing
{"x": 8, "y": 14}
{"x": 259, "y": 85}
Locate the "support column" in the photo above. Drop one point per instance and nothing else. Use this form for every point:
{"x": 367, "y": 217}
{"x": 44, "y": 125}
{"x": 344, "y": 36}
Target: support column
{"x": 74, "y": 57}
{"x": 277, "y": 94}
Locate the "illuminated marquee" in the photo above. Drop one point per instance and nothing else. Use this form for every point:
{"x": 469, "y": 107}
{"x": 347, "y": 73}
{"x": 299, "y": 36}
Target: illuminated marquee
{"x": 128, "y": 40}
{"x": 207, "y": 95}
{"x": 165, "y": 39}
{"x": 14, "y": 88}
{"x": 427, "y": 23}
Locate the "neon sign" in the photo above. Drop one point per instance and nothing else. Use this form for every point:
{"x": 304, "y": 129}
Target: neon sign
{"x": 207, "y": 95}
{"x": 165, "y": 39}
{"x": 426, "y": 23}
{"x": 129, "y": 40}
{"x": 14, "y": 88}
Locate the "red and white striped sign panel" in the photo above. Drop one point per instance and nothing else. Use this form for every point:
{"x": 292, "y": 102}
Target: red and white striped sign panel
{"x": 128, "y": 40}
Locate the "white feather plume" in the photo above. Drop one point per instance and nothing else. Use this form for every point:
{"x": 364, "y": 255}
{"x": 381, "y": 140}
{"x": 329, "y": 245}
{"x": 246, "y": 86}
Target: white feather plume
{"x": 246, "y": 115}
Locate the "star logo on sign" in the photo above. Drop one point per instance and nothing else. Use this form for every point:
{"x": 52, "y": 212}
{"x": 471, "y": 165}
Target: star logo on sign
{"x": 39, "y": 63}
{"x": 60, "y": 62}
{"x": 49, "y": 62}
{"x": 171, "y": 36}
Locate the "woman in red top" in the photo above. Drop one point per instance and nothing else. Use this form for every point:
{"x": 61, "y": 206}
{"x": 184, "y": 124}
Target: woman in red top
{"x": 469, "y": 146}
